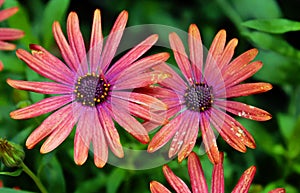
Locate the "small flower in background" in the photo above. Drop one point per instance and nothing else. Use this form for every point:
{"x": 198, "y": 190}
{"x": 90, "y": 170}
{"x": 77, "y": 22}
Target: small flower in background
{"x": 8, "y": 33}
{"x": 92, "y": 92}
{"x": 15, "y": 188}
{"x": 200, "y": 98}
{"x": 11, "y": 154}
{"x": 198, "y": 181}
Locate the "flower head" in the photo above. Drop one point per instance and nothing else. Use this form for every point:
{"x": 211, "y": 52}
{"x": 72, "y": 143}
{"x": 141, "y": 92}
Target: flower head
{"x": 200, "y": 99}
{"x": 92, "y": 91}
{"x": 11, "y": 154}
{"x": 8, "y": 33}
{"x": 198, "y": 182}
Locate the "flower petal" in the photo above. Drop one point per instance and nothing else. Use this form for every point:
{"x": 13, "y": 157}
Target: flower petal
{"x": 10, "y": 34}
{"x": 242, "y": 74}
{"x": 96, "y": 42}
{"x": 111, "y": 133}
{"x": 1, "y": 66}
{"x": 44, "y": 106}
{"x": 244, "y": 182}
{"x": 165, "y": 134}
{"x": 76, "y": 41}
{"x": 43, "y": 67}
{"x": 130, "y": 124}
{"x": 156, "y": 187}
{"x": 244, "y": 110}
{"x": 214, "y": 53}
{"x": 6, "y": 13}
{"x": 197, "y": 177}
{"x": 113, "y": 41}
{"x": 40, "y": 87}
{"x": 59, "y": 120}
{"x": 7, "y": 46}
{"x": 140, "y": 66}
{"x": 100, "y": 147}
{"x": 217, "y": 185}
{"x": 209, "y": 139}
{"x": 132, "y": 55}
{"x": 196, "y": 52}
{"x": 244, "y": 90}
{"x": 177, "y": 184}
{"x": 53, "y": 63}
{"x": 65, "y": 48}
{"x": 181, "y": 57}
{"x": 83, "y": 134}
{"x": 278, "y": 190}
{"x": 141, "y": 99}
{"x": 190, "y": 137}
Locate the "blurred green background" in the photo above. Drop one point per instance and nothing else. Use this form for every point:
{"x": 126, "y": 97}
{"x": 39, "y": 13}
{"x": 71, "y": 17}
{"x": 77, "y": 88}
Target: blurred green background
{"x": 255, "y": 23}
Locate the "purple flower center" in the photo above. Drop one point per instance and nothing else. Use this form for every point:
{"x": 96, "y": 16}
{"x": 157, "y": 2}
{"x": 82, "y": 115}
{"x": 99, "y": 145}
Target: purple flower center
{"x": 91, "y": 89}
{"x": 199, "y": 97}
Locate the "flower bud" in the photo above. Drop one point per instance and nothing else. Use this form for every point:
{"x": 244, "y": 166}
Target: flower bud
{"x": 11, "y": 154}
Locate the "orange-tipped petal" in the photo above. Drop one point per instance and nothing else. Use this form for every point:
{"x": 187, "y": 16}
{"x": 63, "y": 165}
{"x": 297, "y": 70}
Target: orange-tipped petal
{"x": 156, "y": 187}
{"x": 244, "y": 182}
{"x": 177, "y": 184}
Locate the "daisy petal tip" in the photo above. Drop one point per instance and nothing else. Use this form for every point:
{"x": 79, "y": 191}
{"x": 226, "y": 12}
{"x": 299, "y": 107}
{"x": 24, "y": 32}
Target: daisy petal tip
{"x": 99, "y": 163}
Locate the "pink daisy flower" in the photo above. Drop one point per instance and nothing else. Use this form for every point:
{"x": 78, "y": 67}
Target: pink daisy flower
{"x": 198, "y": 181}
{"x": 90, "y": 91}
{"x": 200, "y": 99}
{"x": 8, "y": 33}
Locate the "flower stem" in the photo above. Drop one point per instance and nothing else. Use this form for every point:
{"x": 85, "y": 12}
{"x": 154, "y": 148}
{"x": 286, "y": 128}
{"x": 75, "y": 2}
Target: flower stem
{"x": 34, "y": 178}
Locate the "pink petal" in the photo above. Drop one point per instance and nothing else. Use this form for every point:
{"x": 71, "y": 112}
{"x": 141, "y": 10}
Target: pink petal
{"x": 10, "y": 34}
{"x": 197, "y": 177}
{"x": 141, "y": 99}
{"x": 214, "y": 53}
{"x": 1, "y": 66}
{"x": 7, "y": 46}
{"x": 244, "y": 90}
{"x": 76, "y": 41}
{"x": 138, "y": 67}
{"x": 243, "y": 73}
{"x": 65, "y": 48}
{"x": 217, "y": 184}
{"x": 6, "y": 13}
{"x": 113, "y": 41}
{"x": 96, "y": 42}
{"x": 111, "y": 133}
{"x": 53, "y": 63}
{"x": 43, "y": 67}
{"x": 165, "y": 134}
{"x": 100, "y": 147}
{"x": 1, "y": 2}
{"x": 190, "y": 137}
{"x": 244, "y": 182}
{"x": 83, "y": 134}
{"x": 40, "y": 87}
{"x": 209, "y": 139}
{"x": 60, "y": 120}
{"x": 130, "y": 124}
{"x": 132, "y": 56}
{"x": 42, "y": 107}
{"x": 232, "y": 131}
{"x": 196, "y": 52}
{"x": 244, "y": 110}
{"x": 177, "y": 184}
{"x": 141, "y": 80}
{"x": 181, "y": 57}
{"x": 224, "y": 59}
{"x": 156, "y": 187}
{"x": 278, "y": 190}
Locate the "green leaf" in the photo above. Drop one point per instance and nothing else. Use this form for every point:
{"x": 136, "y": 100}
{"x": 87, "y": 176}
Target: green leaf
{"x": 275, "y": 43}
{"x": 114, "y": 180}
{"x": 51, "y": 173}
{"x": 14, "y": 173}
{"x": 293, "y": 142}
{"x": 10, "y": 190}
{"x": 277, "y": 26}
{"x": 256, "y": 8}
{"x": 97, "y": 182}
{"x": 54, "y": 11}
{"x": 286, "y": 125}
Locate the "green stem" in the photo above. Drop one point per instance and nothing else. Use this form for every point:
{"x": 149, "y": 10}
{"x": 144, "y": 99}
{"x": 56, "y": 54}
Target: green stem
{"x": 34, "y": 178}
